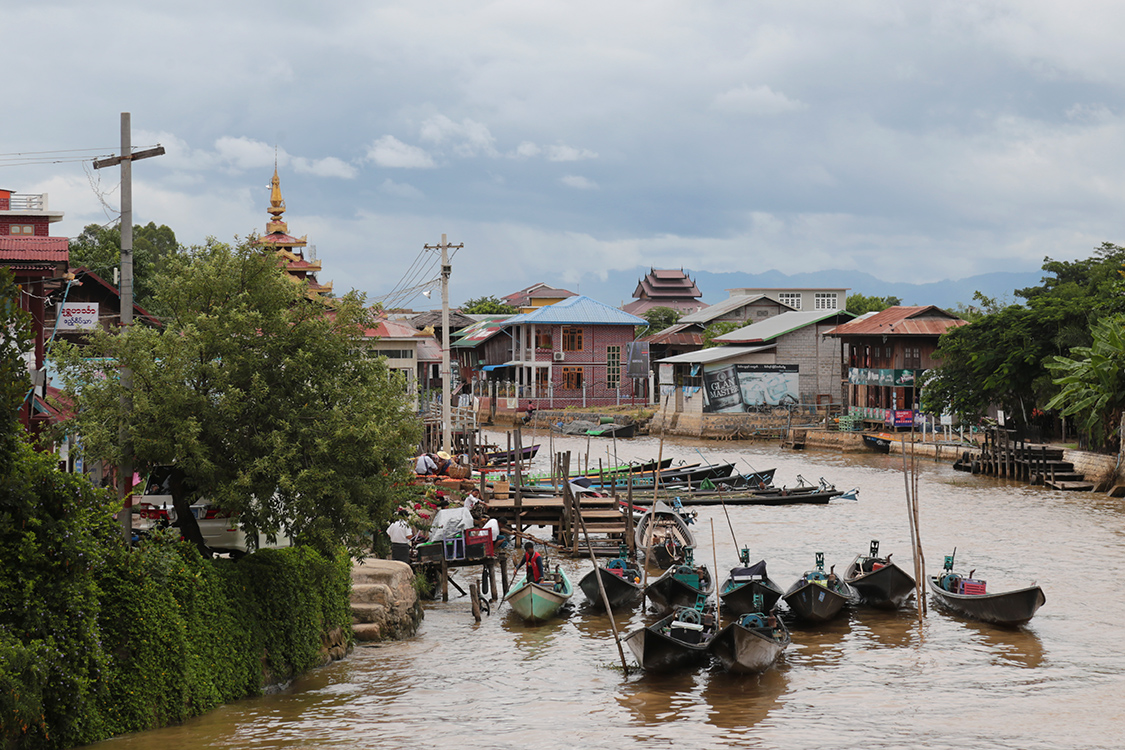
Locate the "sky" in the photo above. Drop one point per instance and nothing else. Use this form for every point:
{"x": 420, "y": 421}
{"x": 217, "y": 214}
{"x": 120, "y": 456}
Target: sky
{"x": 557, "y": 141}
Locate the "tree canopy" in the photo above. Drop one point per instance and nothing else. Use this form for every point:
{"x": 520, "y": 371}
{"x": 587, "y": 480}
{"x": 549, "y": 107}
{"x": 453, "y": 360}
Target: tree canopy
{"x": 99, "y": 249}
{"x": 264, "y": 400}
{"x": 859, "y": 304}
{"x": 660, "y": 318}
{"x": 487, "y": 306}
{"x": 718, "y": 328}
{"x": 1092, "y": 381}
{"x": 1000, "y": 357}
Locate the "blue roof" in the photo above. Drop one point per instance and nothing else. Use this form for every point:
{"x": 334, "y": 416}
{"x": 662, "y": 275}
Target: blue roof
{"x": 578, "y": 310}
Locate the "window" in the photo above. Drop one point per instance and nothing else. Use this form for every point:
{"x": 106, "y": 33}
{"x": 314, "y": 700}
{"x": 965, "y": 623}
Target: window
{"x": 826, "y": 301}
{"x": 793, "y": 299}
{"x": 21, "y": 229}
{"x": 912, "y": 358}
{"x": 543, "y": 340}
{"x": 542, "y": 380}
{"x": 613, "y": 367}
{"x": 396, "y": 353}
{"x": 572, "y": 377}
{"x": 572, "y": 339}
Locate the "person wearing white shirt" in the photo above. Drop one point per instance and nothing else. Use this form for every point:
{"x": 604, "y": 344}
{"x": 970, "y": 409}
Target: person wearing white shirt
{"x": 399, "y": 533}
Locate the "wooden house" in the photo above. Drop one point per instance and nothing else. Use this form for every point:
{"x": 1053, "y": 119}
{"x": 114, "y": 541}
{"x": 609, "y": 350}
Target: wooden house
{"x": 885, "y": 355}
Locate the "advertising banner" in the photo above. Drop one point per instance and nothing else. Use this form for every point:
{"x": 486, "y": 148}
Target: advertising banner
{"x": 75, "y": 316}
{"x": 637, "y": 353}
{"x": 735, "y": 388}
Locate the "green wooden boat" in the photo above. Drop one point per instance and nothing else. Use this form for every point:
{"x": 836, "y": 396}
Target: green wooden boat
{"x": 539, "y": 602}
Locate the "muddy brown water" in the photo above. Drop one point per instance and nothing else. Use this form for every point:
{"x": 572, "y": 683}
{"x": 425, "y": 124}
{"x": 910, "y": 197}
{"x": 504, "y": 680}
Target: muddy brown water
{"x": 870, "y": 680}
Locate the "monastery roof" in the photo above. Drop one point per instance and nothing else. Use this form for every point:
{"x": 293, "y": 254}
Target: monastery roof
{"x": 666, "y": 283}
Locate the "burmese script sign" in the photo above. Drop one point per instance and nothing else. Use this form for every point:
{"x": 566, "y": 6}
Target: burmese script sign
{"x": 74, "y": 316}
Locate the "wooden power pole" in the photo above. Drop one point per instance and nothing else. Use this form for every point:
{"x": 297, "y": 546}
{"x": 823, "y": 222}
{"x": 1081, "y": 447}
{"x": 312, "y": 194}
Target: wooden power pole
{"x": 446, "y": 373}
{"x": 125, "y": 160}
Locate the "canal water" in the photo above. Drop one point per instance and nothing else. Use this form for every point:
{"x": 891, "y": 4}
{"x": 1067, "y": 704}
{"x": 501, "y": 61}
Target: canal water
{"x": 871, "y": 680}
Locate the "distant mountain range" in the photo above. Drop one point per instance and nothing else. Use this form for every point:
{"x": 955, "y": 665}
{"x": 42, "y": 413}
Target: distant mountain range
{"x": 618, "y": 287}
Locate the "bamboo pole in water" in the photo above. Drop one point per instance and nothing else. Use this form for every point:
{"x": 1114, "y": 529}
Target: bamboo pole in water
{"x": 714, "y": 573}
{"x": 912, "y": 517}
{"x": 597, "y": 572}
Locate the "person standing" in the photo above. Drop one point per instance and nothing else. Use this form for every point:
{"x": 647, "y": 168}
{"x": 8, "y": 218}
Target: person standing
{"x": 534, "y": 562}
{"x": 399, "y": 533}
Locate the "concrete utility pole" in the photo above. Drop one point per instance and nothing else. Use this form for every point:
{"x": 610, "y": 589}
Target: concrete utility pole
{"x": 125, "y": 160}
{"x": 446, "y": 371}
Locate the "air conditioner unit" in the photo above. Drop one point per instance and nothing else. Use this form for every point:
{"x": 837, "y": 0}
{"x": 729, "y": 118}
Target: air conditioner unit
{"x": 560, "y": 356}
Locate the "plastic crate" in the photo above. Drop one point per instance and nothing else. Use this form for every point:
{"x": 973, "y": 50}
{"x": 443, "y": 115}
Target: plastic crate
{"x": 431, "y": 551}
{"x": 454, "y": 548}
{"x": 478, "y": 543}
{"x": 972, "y": 587}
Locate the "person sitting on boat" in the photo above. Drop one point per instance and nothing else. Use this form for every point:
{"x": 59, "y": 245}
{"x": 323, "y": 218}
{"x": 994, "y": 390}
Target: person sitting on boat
{"x": 534, "y": 562}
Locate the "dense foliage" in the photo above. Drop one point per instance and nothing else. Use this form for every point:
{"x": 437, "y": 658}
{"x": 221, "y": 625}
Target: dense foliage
{"x": 1000, "y": 358}
{"x": 659, "y": 318}
{"x": 859, "y": 304}
{"x": 487, "y": 306}
{"x": 99, "y": 249}
{"x": 266, "y": 401}
{"x": 718, "y": 328}
{"x": 1092, "y": 380}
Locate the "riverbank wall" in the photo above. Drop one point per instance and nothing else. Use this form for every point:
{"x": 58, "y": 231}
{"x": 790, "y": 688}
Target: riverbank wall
{"x": 384, "y": 602}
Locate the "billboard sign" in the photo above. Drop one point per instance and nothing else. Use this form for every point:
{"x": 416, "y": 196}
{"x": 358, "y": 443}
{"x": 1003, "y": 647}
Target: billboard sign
{"x": 734, "y": 388}
{"x": 637, "y": 353}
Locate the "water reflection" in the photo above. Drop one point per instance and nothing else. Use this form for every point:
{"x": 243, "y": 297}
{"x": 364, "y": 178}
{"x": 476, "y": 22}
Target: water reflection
{"x": 820, "y": 645}
{"x": 881, "y": 628}
{"x": 740, "y": 702}
{"x": 1020, "y": 647}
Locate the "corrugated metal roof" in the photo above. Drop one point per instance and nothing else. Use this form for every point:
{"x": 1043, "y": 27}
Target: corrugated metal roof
{"x": 779, "y": 325}
{"x": 578, "y": 310}
{"x": 478, "y": 333}
{"x": 714, "y": 354}
{"x": 35, "y": 249}
{"x": 391, "y": 329}
{"x": 681, "y": 334}
{"x": 730, "y": 304}
{"x": 429, "y": 350}
{"x": 927, "y": 320}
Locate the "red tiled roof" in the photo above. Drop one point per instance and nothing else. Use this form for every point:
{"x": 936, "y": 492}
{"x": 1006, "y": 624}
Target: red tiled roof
{"x": 35, "y": 249}
{"x": 927, "y": 320}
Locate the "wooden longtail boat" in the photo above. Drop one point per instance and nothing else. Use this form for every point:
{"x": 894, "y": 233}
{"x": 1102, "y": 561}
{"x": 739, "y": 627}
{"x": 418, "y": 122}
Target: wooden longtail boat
{"x": 622, "y": 583}
{"x": 748, "y": 588}
{"x": 678, "y": 641}
{"x": 750, "y": 644}
{"x": 968, "y": 596}
{"x": 498, "y": 458}
{"x": 685, "y": 585}
{"x": 663, "y": 534}
{"x": 880, "y": 442}
{"x": 877, "y": 581}
{"x": 818, "y": 596}
{"x": 538, "y": 602}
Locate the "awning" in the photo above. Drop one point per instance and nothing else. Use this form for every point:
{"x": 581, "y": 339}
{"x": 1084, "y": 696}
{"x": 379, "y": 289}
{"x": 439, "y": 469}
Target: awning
{"x": 490, "y": 368}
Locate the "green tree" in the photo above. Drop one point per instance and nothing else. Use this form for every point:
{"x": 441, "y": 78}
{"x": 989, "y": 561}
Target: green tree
{"x": 99, "y": 249}
{"x": 993, "y": 361}
{"x": 263, "y": 399}
{"x": 660, "y": 318}
{"x": 860, "y": 304}
{"x": 487, "y": 306}
{"x": 718, "y": 328}
{"x": 1092, "y": 381}
{"x": 15, "y": 343}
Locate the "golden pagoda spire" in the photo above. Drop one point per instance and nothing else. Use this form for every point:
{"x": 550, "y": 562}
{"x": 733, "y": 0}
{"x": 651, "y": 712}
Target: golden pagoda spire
{"x": 277, "y": 205}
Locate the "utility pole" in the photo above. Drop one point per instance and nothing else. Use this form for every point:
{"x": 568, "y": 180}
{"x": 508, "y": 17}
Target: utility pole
{"x": 446, "y": 370}
{"x": 125, "y": 160}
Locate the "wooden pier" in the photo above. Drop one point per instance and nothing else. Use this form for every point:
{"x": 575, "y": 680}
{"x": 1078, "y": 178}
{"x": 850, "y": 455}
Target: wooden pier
{"x": 1003, "y": 456}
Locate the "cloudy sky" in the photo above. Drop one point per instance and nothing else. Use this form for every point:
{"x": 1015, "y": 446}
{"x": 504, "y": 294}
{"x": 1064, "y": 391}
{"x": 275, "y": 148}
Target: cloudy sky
{"x": 557, "y": 140}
